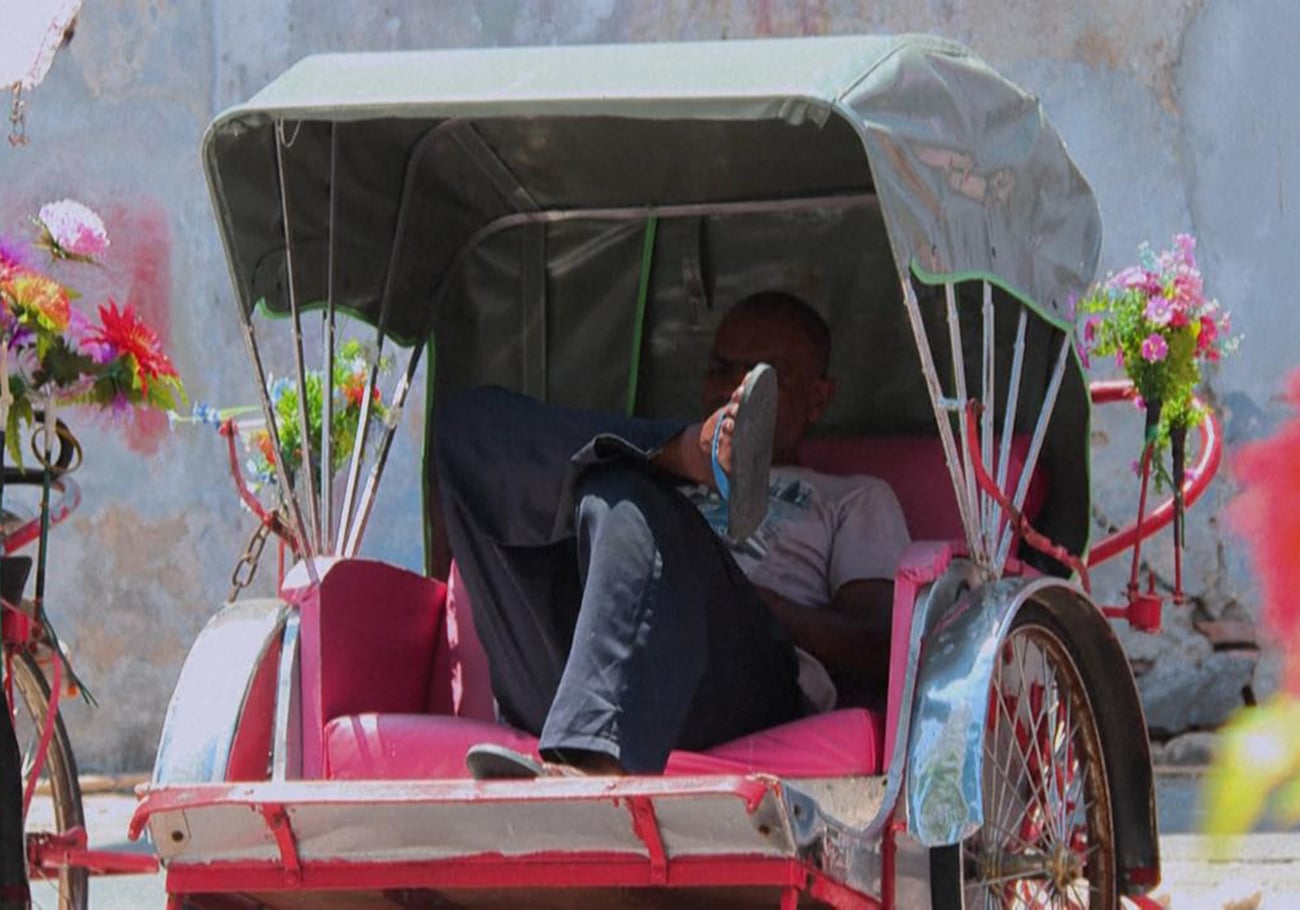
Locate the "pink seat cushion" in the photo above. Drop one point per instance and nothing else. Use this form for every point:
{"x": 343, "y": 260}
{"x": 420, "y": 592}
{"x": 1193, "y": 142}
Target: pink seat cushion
{"x": 914, "y": 467}
{"x": 424, "y": 746}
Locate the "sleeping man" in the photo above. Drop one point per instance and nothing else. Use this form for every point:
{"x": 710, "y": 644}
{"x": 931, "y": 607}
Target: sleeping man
{"x": 644, "y": 585}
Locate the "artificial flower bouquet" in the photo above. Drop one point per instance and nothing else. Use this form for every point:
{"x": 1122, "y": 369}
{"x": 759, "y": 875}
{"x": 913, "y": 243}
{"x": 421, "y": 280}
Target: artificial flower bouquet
{"x": 1157, "y": 322}
{"x": 351, "y": 373}
{"x": 52, "y": 354}
{"x": 1159, "y": 325}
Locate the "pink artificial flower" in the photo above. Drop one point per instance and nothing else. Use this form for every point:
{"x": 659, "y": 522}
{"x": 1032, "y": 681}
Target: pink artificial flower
{"x": 1155, "y": 348}
{"x": 12, "y": 260}
{"x": 1178, "y": 315}
{"x": 1136, "y": 277}
{"x": 70, "y": 229}
{"x": 1188, "y": 288}
{"x": 1159, "y": 311}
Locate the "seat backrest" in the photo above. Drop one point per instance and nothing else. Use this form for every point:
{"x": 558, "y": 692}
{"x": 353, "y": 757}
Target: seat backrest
{"x": 367, "y": 633}
{"x": 460, "y": 685}
{"x": 914, "y": 467}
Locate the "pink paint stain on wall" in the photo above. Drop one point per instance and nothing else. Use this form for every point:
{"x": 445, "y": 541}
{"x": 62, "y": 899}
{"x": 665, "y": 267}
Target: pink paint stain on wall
{"x": 136, "y": 273}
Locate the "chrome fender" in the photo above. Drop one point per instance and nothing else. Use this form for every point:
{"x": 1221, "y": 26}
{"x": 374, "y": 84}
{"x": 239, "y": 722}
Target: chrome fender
{"x": 945, "y": 743}
{"x": 226, "y": 666}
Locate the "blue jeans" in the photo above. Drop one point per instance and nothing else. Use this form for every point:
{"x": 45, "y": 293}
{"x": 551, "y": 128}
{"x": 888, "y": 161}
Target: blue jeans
{"x": 613, "y": 618}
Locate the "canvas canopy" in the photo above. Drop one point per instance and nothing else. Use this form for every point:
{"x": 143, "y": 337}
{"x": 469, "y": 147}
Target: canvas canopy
{"x": 572, "y": 221}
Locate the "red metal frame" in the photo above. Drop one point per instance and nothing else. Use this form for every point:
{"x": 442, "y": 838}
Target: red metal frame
{"x": 254, "y": 505}
{"x": 549, "y": 869}
{"x": 47, "y": 733}
{"x": 987, "y": 484}
{"x": 542, "y": 870}
{"x": 1211, "y": 457}
{"x": 30, "y": 530}
{"x": 1143, "y": 608}
{"x": 48, "y": 854}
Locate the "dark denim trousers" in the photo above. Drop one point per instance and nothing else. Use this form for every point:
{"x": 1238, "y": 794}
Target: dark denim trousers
{"x": 613, "y": 618}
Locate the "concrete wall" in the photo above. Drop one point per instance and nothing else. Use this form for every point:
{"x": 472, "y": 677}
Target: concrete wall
{"x": 1177, "y": 110}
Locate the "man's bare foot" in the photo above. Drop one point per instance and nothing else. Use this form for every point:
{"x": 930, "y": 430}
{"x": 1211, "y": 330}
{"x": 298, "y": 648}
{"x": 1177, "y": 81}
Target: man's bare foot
{"x": 689, "y": 455}
{"x": 731, "y": 451}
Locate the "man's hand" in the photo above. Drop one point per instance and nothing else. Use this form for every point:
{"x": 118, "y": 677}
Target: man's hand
{"x": 850, "y": 638}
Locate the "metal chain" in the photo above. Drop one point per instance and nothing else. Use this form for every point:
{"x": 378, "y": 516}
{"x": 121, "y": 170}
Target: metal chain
{"x": 246, "y": 566}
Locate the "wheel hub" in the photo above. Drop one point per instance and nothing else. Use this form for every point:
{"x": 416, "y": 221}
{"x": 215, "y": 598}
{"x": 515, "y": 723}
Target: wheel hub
{"x": 1058, "y": 863}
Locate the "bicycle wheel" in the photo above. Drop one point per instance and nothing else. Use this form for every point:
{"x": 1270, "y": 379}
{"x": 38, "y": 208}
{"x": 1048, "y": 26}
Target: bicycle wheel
{"x": 1048, "y": 836}
{"x": 68, "y": 889}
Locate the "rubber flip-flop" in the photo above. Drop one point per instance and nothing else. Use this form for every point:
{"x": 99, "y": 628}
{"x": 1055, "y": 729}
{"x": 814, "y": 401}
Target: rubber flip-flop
{"x": 488, "y": 761}
{"x": 745, "y": 490}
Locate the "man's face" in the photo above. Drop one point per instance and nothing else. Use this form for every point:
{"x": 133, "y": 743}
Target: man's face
{"x": 745, "y": 338}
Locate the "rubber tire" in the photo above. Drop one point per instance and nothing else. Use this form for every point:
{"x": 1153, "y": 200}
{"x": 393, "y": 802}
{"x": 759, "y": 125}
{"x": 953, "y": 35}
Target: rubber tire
{"x": 32, "y": 692}
{"x": 946, "y": 873}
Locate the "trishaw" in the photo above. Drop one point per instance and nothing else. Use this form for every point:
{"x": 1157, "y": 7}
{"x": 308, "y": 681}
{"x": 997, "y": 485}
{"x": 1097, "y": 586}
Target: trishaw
{"x": 572, "y": 222}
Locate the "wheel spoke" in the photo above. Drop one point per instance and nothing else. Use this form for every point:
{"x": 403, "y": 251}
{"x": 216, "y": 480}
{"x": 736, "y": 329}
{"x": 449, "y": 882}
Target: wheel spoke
{"x": 1047, "y": 836}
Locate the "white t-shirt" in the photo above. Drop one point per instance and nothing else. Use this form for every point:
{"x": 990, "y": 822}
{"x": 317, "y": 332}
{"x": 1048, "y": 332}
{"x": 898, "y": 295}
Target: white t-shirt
{"x": 821, "y": 531}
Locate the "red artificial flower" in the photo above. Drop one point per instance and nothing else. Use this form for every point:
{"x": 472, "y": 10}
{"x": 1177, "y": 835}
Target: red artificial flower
{"x": 353, "y": 391}
{"x": 261, "y": 440}
{"x": 128, "y": 335}
{"x": 1265, "y": 514}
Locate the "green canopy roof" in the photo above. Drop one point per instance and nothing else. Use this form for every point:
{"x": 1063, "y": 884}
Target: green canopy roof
{"x": 417, "y": 154}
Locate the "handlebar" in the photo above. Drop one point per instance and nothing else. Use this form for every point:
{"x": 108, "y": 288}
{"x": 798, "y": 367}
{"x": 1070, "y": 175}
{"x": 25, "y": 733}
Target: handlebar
{"x": 1198, "y": 479}
{"x": 66, "y": 457}
{"x": 65, "y": 505}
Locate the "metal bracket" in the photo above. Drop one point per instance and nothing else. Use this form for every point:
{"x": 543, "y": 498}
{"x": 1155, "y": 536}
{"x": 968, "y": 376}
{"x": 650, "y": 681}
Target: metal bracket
{"x": 277, "y": 819}
{"x": 646, "y": 827}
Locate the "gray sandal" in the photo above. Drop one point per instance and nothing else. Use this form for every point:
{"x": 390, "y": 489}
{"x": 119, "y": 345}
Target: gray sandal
{"x": 745, "y": 491}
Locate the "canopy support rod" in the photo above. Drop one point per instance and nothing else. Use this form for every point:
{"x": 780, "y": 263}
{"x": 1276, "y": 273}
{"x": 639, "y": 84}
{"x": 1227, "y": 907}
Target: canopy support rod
{"x": 1035, "y": 445}
{"x": 941, "y": 414}
{"x": 1013, "y": 401}
{"x": 282, "y": 474}
{"x": 268, "y": 416}
{"x": 350, "y": 536}
{"x": 381, "y": 457}
{"x": 990, "y": 513}
{"x": 299, "y": 361}
{"x": 974, "y": 530}
{"x": 330, "y": 340}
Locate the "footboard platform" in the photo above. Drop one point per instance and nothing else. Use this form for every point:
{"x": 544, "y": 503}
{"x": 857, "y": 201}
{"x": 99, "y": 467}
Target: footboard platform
{"x": 730, "y": 841}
